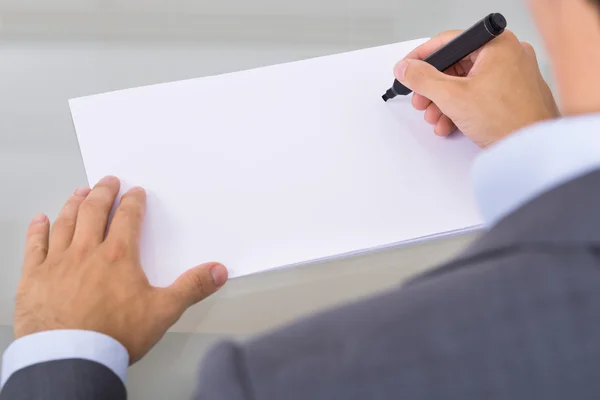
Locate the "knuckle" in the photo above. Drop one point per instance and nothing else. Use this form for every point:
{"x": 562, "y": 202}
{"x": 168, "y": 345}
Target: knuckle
{"x": 509, "y": 41}
{"x": 90, "y": 205}
{"x": 64, "y": 223}
{"x": 73, "y": 203}
{"x": 35, "y": 230}
{"x": 99, "y": 200}
{"x": 510, "y": 35}
{"x": 116, "y": 250}
{"x": 527, "y": 46}
{"x": 529, "y": 49}
{"x": 38, "y": 247}
{"x": 79, "y": 251}
{"x": 129, "y": 210}
{"x": 463, "y": 85}
{"x": 199, "y": 285}
{"x": 416, "y": 73}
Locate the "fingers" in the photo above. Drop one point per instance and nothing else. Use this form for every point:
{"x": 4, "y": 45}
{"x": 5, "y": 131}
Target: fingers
{"x": 445, "y": 126}
{"x": 196, "y": 285}
{"x": 499, "y": 49}
{"x": 36, "y": 243}
{"x": 432, "y": 45}
{"x": 94, "y": 211}
{"x": 63, "y": 228}
{"x": 433, "y": 114}
{"x": 441, "y": 88}
{"x": 126, "y": 226}
{"x": 432, "y": 87}
{"x": 427, "y": 81}
{"x": 461, "y": 69}
{"x": 419, "y": 102}
{"x": 529, "y": 50}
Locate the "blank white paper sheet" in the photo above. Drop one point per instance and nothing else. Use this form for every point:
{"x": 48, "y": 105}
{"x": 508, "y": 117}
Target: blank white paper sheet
{"x": 278, "y": 166}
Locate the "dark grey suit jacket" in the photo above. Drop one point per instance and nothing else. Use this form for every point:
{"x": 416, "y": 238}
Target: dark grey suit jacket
{"x": 517, "y": 316}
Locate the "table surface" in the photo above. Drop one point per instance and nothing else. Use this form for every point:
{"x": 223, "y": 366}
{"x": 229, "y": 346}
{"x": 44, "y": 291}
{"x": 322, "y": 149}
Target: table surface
{"x": 53, "y": 51}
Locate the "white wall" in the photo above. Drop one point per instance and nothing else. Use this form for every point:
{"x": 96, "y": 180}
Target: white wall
{"x": 356, "y": 23}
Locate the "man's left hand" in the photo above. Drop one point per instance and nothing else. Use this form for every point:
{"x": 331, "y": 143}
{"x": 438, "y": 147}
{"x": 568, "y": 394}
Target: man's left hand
{"x": 78, "y": 275}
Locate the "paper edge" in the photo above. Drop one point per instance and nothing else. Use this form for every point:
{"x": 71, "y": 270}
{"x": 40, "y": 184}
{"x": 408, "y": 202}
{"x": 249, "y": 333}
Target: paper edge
{"x": 355, "y": 253}
{"x": 422, "y": 39}
{"x": 81, "y": 157}
{"x": 371, "y": 250}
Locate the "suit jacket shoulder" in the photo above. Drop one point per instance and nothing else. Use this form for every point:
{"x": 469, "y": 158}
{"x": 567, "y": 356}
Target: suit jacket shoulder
{"x": 514, "y": 317}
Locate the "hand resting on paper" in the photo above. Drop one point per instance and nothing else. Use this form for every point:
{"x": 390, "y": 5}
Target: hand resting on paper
{"x": 488, "y": 95}
{"x": 77, "y": 276}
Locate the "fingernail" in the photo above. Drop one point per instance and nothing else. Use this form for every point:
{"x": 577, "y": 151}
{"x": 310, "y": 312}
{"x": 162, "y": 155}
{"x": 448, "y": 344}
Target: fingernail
{"x": 84, "y": 191}
{"x": 400, "y": 70}
{"x": 40, "y": 218}
{"x": 108, "y": 179}
{"x": 219, "y": 274}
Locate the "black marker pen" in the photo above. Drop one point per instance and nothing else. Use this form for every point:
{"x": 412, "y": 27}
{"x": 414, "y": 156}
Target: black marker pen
{"x": 458, "y": 48}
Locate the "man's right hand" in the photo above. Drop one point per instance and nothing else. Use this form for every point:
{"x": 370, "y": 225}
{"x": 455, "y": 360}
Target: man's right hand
{"x": 493, "y": 92}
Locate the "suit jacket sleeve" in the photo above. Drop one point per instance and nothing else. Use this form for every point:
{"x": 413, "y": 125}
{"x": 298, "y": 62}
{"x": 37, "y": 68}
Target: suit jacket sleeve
{"x": 64, "y": 364}
{"x": 71, "y": 379}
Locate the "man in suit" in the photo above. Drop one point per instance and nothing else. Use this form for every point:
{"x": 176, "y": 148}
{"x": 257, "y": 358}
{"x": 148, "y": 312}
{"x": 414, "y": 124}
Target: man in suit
{"x": 514, "y": 317}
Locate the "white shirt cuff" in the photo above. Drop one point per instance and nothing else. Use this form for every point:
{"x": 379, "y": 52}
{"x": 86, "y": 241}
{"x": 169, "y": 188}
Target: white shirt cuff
{"x": 64, "y": 344}
{"x": 533, "y": 161}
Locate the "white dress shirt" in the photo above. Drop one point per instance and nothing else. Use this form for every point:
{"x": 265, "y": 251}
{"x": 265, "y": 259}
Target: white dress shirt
{"x": 521, "y": 167}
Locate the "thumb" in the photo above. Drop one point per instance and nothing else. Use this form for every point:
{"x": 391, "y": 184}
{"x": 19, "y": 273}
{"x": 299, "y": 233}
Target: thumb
{"x": 426, "y": 80}
{"x": 197, "y": 284}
